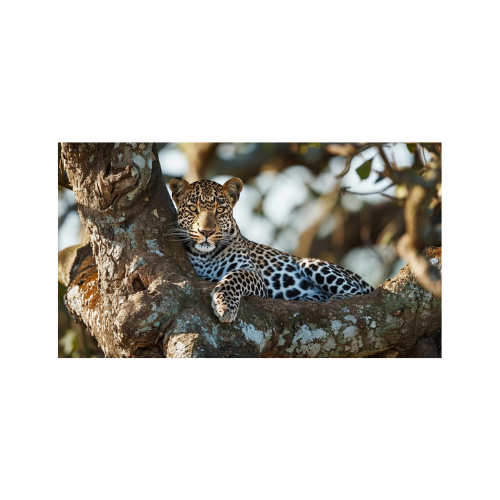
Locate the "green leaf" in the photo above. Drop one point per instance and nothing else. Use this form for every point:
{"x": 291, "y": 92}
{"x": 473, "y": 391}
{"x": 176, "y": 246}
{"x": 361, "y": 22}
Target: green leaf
{"x": 365, "y": 169}
{"x": 411, "y": 147}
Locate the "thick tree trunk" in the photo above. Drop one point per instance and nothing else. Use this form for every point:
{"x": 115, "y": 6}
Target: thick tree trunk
{"x": 137, "y": 293}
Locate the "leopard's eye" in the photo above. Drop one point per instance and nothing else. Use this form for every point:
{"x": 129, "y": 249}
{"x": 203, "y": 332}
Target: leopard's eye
{"x": 221, "y": 210}
{"x": 193, "y": 208}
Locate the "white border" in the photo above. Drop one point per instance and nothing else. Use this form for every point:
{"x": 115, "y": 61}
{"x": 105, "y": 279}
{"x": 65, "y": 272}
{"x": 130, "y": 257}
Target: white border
{"x": 266, "y": 71}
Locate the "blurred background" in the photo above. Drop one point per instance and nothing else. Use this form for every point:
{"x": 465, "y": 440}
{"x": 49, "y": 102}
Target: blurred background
{"x": 343, "y": 203}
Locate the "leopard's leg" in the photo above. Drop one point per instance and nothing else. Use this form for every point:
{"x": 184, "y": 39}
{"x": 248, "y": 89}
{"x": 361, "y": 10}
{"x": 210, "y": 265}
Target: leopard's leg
{"x": 338, "y": 282}
{"x": 227, "y": 293}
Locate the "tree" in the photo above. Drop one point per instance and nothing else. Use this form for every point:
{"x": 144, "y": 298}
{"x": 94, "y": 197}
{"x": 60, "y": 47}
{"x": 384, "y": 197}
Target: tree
{"x": 134, "y": 288}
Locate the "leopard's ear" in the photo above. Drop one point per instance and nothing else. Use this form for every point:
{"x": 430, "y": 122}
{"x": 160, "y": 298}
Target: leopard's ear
{"x": 232, "y": 189}
{"x": 179, "y": 188}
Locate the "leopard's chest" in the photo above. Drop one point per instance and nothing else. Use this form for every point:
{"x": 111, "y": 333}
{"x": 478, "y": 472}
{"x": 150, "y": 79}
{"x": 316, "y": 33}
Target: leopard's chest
{"x": 215, "y": 268}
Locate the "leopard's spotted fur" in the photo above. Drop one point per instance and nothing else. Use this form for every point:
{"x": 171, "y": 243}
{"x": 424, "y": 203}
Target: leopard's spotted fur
{"x": 219, "y": 252}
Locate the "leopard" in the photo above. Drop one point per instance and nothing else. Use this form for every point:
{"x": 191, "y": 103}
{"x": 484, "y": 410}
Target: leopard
{"x": 219, "y": 252}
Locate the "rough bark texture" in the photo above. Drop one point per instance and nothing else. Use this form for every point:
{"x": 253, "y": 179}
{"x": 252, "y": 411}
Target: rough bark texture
{"x": 136, "y": 291}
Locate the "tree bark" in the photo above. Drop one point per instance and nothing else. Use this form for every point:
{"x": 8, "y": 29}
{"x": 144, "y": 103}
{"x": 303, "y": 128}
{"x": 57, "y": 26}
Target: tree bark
{"x": 137, "y": 293}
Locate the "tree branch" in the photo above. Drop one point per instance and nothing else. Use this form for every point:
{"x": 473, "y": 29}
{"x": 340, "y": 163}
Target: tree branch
{"x": 199, "y": 155}
{"x": 417, "y": 234}
{"x": 62, "y": 177}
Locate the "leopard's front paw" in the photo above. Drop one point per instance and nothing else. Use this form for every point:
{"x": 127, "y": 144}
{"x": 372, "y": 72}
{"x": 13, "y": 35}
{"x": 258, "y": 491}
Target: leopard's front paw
{"x": 225, "y": 308}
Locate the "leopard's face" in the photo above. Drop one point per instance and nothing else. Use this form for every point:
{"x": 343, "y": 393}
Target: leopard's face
{"x": 205, "y": 212}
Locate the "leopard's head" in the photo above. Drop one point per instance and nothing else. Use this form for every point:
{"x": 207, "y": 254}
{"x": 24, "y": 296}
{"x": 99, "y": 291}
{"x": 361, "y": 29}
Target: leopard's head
{"x": 205, "y": 212}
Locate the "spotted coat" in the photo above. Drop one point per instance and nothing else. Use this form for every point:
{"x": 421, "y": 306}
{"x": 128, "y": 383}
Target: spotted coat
{"x": 220, "y": 253}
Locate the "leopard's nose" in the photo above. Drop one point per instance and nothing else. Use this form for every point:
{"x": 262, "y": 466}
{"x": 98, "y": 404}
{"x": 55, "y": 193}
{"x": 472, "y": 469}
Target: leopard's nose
{"x": 206, "y": 232}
